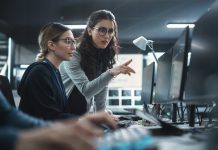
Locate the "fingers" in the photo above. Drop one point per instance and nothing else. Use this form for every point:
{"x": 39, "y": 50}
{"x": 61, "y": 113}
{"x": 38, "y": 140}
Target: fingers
{"x": 129, "y": 69}
{"x": 115, "y": 118}
{"x": 128, "y": 62}
{"x": 86, "y": 133}
{"x": 88, "y": 129}
{"x": 109, "y": 111}
{"x": 126, "y": 70}
{"x": 102, "y": 118}
{"x": 111, "y": 114}
{"x": 81, "y": 135}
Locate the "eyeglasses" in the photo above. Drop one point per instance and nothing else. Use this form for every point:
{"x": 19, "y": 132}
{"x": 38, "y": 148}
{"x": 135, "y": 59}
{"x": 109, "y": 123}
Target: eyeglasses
{"x": 103, "y": 31}
{"x": 69, "y": 42}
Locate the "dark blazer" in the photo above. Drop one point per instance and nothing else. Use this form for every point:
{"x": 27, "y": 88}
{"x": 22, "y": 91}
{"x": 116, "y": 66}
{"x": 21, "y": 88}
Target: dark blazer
{"x": 5, "y": 87}
{"x": 42, "y": 92}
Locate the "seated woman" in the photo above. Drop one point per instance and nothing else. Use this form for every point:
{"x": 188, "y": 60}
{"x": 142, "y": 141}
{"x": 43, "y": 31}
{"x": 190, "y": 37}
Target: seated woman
{"x": 41, "y": 89}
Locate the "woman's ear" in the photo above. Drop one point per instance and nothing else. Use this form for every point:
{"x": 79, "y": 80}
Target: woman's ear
{"x": 89, "y": 30}
{"x": 51, "y": 45}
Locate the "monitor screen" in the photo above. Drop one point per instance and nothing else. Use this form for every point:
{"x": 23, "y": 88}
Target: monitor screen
{"x": 202, "y": 78}
{"x": 179, "y": 66}
{"x": 163, "y": 78}
{"x": 147, "y": 84}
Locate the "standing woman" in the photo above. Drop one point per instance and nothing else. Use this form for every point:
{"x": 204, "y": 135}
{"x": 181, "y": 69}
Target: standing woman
{"x": 41, "y": 89}
{"x": 91, "y": 70}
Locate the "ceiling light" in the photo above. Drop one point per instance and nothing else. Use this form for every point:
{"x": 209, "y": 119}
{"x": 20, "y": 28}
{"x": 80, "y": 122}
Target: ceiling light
{"x": 22, "y": 66}
{"x": 76, "y": 26}
{"x": 180, "y": 25}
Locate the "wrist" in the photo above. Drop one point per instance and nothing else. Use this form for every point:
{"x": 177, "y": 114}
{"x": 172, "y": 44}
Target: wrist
{"x": 111, "y": 73}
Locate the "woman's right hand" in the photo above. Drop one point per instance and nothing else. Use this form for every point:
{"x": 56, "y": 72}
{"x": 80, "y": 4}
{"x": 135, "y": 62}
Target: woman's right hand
{"x": 122, "y": 69}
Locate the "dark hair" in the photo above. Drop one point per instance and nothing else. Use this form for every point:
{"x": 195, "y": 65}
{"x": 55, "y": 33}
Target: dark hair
{"x": 51, "y": 31}
{"x": 88, "y": 51}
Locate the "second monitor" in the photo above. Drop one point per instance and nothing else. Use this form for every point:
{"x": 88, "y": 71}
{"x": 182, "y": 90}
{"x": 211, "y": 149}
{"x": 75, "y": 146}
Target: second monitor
{"x": 171, "y": 71}
{"x": 148, "y": 84}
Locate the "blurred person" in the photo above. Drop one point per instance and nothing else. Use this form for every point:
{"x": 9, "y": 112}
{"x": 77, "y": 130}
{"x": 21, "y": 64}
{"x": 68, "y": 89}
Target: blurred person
{"x": 87, "y": 75}
{"x": 19, "y": 131}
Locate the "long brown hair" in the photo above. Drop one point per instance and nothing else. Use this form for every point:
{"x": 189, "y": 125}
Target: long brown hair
{"x": 88, "y": 51}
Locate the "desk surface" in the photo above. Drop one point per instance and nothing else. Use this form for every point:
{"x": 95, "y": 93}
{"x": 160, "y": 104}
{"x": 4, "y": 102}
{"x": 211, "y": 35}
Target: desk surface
{"x": 184, "y": 142}
{"x": 187, "y": 141}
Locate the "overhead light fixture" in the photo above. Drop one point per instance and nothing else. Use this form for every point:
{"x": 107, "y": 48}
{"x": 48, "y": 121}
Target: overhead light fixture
{"x": 141, "y": 42}
{"x": 23, "y": 66}
{"x": 180, "y": 25}
{"x": 76, "y": 26}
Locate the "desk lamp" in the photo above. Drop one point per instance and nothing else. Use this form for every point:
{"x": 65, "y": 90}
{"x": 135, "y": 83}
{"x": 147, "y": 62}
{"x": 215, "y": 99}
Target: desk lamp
{"x": 142, "y": 42}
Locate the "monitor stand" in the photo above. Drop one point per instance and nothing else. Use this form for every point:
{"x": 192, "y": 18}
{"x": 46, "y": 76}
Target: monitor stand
{"x": 192, "y": 115}
{"x": 174, "y": 113}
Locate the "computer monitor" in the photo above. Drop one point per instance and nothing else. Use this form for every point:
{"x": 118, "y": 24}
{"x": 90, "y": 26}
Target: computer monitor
{"x": 163, "y": 78}
{"x": 172, "y": 70}
{"x": 148, "y": 84}
{"x": 179, "y": 71}
{"x": 179, "y": 66}
{"x": 202, "y": 78}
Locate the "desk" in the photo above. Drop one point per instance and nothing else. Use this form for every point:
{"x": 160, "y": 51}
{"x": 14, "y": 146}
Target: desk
{"x": 139, "y": 137}
{"x": 184, "y": 142}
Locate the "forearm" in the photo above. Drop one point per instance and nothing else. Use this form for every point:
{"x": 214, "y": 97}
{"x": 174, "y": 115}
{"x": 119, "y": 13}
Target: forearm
{"x": 90, "y": 88}
{"x": 23, "y": 121}
{"x": 73, "y": 71}
{"x": 95, "y": 86}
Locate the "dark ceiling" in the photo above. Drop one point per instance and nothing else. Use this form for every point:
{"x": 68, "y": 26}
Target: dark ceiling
{"x": 22, "y": 19}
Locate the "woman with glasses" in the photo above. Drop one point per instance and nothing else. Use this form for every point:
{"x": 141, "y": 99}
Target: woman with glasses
{"x": 86, "y": 77}
{"x": 41, "y": 89}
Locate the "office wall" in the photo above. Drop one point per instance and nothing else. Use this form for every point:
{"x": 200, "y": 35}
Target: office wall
{"x": 25, "y": 54}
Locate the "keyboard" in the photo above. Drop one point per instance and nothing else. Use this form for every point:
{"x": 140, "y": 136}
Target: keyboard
{"x": 131, "y": 138}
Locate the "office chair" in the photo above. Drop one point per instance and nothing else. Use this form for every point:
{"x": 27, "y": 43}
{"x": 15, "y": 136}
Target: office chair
{"x": 5, "y": 87}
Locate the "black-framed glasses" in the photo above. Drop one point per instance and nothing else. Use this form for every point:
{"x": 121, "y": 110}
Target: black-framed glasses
{"x": 69, "y": 42}
{"x": 103, "y": 31}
